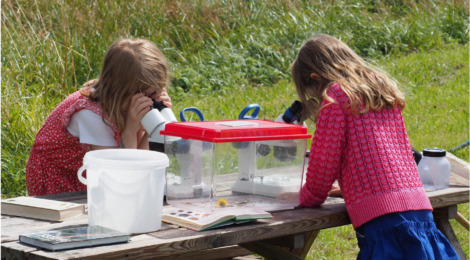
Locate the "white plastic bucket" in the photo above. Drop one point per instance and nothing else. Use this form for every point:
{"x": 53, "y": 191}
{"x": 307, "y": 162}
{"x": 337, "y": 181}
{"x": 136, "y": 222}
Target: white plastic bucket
{"x": 125, "y": 188}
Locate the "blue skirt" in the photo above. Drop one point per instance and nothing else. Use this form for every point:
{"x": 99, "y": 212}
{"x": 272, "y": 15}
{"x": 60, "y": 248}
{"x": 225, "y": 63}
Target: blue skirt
{"x": 403, "y": 235}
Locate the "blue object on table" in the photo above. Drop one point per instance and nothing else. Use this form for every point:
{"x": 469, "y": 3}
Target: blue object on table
{"x": 192, "y": 109}
{"x": 460, "y": 146}
{"x": 254, "y": 115}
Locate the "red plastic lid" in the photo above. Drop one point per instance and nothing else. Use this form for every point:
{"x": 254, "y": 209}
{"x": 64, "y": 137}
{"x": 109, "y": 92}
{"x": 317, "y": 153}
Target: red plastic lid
{"x": 235, "y": 130}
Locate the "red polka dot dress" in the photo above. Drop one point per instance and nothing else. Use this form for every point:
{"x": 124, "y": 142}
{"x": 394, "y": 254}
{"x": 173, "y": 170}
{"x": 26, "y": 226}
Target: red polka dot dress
{"x": 370, "y": 155}
{"x": 56, "y": 155}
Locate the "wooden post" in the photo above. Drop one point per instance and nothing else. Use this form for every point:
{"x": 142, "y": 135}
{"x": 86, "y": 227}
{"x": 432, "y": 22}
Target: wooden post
{"x": 309, "y": 239}
{"x": 288, "y": 247}
{"x": 270, "y": 251}
{"x": 461, "y": 219}
{"x": 441, "y": 218}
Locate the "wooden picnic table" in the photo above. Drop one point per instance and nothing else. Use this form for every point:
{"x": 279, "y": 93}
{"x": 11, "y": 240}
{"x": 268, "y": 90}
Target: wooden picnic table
{"x": 288, "y": 235}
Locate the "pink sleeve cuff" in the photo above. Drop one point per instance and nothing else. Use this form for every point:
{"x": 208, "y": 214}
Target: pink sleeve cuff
{"x": 308, "y": 199}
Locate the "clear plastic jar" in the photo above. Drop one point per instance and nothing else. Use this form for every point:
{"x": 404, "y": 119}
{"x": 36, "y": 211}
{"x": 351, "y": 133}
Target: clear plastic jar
{"x": 434, "y": 169}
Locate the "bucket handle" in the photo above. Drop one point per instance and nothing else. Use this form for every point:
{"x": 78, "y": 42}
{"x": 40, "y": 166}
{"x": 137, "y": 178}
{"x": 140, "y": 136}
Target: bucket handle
{"x": 80, "y": 174}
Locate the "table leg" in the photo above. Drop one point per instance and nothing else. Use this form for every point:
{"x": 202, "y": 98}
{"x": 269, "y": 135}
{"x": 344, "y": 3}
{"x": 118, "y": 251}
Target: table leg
{"x": 309, "y": 239}
{"x": 441, "y": 217}
{"x": 288, "y": 247}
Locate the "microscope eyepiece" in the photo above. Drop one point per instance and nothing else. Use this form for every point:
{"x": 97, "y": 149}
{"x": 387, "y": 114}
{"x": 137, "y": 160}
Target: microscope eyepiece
{"x": 293, "y": 112}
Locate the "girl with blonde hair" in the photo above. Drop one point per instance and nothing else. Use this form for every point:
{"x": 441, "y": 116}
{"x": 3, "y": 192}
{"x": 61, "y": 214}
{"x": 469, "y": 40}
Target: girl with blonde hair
{"x": 360, "y": 141}
{"x": 105, "y": 113}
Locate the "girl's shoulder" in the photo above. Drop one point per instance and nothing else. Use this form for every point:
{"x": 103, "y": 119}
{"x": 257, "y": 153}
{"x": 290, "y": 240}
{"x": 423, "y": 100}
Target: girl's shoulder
{"x": 335, "y": 88}
{"x": 77, "y": 101}
{"x": 337, "y": 94}
{"x": 72, "y": 98}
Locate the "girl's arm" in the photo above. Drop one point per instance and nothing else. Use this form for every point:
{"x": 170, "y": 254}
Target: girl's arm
{"x": 143, "y": 139}
{"x": 325, "y": 155}
{"x": 98, "y": 147}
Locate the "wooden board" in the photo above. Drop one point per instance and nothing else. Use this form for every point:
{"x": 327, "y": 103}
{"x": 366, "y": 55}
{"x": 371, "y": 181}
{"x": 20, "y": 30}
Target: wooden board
{"x": 172, "y": 241}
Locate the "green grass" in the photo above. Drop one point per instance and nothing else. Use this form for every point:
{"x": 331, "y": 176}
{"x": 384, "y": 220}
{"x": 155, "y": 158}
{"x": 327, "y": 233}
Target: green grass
{"x": 436, "y": 86}
{"x": 226, "y": 54}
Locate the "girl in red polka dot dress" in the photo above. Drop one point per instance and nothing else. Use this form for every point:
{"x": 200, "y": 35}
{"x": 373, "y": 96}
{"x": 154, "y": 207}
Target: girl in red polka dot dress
{"x": 104, "y": 113}
{"x": 360, "y": 141}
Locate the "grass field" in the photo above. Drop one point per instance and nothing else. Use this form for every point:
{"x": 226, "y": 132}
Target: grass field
{"x": 226, "y": 54}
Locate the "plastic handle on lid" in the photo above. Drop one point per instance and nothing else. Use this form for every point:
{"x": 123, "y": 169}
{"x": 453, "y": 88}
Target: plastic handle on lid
{"x": 80, "y": 174}
{"x": 254, "y": 114}
{"x": 192, "y": 109}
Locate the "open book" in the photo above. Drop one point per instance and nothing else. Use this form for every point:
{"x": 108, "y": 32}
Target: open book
{"x": 199, "y": 221}
{"x": 45, "y": 209}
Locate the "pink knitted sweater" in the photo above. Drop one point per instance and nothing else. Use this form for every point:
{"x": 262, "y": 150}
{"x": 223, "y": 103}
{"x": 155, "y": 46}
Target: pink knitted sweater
{"x": 370, "y": 156}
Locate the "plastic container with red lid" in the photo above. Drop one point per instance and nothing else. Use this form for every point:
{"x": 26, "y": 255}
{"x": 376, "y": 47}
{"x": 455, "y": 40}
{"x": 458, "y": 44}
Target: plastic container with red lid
{"x": 236, "y": 130}
{"x": 234, "y": 160}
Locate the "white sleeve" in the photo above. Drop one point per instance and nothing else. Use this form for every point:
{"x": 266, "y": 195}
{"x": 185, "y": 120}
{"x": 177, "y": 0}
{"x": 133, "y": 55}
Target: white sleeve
{"x": 90, "y": 129}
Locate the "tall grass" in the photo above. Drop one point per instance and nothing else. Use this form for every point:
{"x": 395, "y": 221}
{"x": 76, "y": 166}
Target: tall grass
{"x": 212, "y": 45}
{"x": 226, "y": 54}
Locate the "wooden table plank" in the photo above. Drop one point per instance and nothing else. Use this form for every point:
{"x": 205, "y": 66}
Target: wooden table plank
{"x": 447, "y": 197}
{"x": 12, "y": 227}
{"x": 167, "y": 242}
{"x": 172, "y": 241}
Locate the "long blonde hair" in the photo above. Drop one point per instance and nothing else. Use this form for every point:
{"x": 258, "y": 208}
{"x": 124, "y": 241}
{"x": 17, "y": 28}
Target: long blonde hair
{"x": 332, "y": 61}
{"x": 130, "y": 66}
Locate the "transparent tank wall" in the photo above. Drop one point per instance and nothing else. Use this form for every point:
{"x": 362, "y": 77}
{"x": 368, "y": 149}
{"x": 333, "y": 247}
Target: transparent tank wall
{"x": 189, "y": 175}
{"x": 264, "y": 168}
{"x": 202, "y": 174}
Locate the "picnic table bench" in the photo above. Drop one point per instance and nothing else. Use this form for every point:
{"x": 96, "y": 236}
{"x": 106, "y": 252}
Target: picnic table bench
{"x": 288, "y": 235}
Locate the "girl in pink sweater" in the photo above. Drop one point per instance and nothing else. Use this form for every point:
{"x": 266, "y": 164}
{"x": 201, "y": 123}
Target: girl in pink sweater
{"x": 361, "y": 141}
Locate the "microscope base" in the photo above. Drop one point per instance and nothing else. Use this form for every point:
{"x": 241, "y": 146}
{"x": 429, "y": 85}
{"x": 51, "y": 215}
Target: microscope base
{"x": 187, "y": 192}
{"x": 266, "y": 189}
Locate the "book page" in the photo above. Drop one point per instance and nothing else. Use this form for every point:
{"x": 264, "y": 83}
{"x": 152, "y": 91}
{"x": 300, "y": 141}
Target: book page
{"x": 182, "y": 216}
{"x": 193, "y": 220}
{"x": 197, "y": 220}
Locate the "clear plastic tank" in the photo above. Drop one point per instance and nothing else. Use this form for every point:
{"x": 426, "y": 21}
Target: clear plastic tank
{"x": 242, "y": 161}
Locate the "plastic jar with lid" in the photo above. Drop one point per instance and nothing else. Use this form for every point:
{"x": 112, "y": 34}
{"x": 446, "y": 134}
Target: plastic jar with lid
{"x": 434, "y": 169}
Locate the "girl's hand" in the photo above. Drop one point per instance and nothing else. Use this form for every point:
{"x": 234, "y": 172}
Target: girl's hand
{"x": 164, "y": 98}
{"x": 289, "y": 196}
{"x": 335, "y": 191}
{"x": 139, "y": 106}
